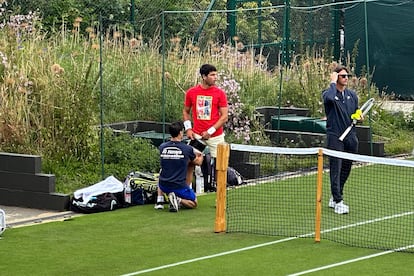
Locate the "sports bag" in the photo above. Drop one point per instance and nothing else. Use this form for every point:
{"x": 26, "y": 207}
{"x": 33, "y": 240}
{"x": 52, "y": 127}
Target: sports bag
{"x": 143, "y": 187}
{"x": 208, "y": 169}
{"x": 234, "y": 178}
{"x": 100, "y": 203}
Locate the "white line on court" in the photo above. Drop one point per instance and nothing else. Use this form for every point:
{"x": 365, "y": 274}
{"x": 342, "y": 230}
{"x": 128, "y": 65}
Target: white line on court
{"x": 351, "y": 261}
{"x": 368, "y": 222}
{"x": 285, "y": 240}
{"x": 209, "y": 257}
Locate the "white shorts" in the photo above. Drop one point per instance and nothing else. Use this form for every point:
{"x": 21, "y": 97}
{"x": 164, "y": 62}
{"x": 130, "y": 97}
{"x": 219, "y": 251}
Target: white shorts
{"x": 212, "y": 143}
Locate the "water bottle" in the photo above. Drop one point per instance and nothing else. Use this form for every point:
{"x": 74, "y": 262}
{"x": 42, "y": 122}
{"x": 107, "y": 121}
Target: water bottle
{"x": 127, "y": 193}
{"x": 199, "y": 180}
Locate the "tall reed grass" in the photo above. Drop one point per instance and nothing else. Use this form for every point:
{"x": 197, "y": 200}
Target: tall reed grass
{"x": 50, "y": 96}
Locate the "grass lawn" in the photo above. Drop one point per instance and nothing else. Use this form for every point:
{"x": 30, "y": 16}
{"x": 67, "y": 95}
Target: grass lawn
{"x": 127, "y": 241}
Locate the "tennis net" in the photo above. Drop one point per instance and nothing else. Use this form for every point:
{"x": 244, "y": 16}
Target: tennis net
{"x": 285, "y": 199}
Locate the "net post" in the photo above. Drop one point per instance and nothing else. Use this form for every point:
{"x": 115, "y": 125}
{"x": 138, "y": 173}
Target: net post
{"x": 319, "y": 197}
{"x": 222, "y": 162}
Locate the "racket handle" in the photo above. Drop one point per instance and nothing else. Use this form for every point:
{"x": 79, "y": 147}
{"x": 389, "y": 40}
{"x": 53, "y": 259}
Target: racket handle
{"x": 342, "y": 137}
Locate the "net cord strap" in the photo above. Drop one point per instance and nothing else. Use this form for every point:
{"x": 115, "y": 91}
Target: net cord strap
{"x": 328, "y": 152}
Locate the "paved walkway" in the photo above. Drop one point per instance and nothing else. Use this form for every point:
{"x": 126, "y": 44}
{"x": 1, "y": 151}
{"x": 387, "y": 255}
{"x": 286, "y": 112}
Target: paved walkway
{"x": 18, "y": 216}
{"x": 407, "y": 107}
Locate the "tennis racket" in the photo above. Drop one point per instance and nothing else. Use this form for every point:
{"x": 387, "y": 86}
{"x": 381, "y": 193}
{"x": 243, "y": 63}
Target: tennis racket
{"x": 364, "y": 109}
{"x": 198, "y": 145}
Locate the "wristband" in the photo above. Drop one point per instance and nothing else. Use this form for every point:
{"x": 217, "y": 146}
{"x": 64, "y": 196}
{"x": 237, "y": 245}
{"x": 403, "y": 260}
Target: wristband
{"x": 211, "y": 130}
{"x": 187, "y": 125}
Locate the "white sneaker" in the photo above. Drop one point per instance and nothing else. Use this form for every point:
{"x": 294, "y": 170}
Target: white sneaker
{"x": 159, "y": 206}
{"x": 173, "y": 202}
{"x": 341, "y": 208}
{"x": 331, "y": 203}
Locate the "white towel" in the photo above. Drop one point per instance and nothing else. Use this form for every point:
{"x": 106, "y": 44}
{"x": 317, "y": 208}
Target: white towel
{"x": 109, "y": 185}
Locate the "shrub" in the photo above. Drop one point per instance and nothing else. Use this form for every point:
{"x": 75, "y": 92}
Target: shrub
{"x": 125, "y": 153}
{"x": 122, "y": 154}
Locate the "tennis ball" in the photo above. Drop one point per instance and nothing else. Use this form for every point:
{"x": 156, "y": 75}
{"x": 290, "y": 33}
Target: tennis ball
{"x": 357, "y": 115}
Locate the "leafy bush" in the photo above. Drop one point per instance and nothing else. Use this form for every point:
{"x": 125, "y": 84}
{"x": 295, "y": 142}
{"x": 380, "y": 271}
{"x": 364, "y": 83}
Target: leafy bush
{"x": 128, "y": 153}
{"x": 122, "y": 154}
{"x": 394, "y": 129}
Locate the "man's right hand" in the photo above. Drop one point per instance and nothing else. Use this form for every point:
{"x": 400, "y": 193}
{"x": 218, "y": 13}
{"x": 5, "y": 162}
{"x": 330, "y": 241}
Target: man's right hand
{"x": 334, "y": 77}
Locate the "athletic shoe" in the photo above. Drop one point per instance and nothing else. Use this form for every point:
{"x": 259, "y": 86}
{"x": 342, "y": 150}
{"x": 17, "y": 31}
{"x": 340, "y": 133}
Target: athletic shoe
{"x": 331, "y": 203}
{"x": 173, "y": 202}
{"x": 159, "y": 206}
{"x": 179, "y": 202}
{"x": 341, "y": 208}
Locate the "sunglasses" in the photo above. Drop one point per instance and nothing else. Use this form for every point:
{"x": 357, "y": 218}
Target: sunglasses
{"x": 345, "y": 76}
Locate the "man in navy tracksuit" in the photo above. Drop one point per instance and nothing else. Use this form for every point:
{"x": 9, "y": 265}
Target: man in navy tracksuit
{"x": 340, "y": 103}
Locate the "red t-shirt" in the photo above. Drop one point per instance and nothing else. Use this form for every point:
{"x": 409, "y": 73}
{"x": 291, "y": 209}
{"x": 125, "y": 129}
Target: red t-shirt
{"x": 205, "y": 104}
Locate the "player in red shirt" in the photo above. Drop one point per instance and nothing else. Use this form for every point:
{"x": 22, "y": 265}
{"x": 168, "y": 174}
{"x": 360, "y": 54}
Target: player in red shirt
{"x": 206, "y": 104}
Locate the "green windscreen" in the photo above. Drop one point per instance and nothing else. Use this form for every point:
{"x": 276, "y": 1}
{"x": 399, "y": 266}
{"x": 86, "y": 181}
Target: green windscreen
{"x": 390, "y": 43}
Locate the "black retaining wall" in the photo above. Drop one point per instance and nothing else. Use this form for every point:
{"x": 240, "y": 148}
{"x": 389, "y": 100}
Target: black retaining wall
{"x": 22, "y": 184}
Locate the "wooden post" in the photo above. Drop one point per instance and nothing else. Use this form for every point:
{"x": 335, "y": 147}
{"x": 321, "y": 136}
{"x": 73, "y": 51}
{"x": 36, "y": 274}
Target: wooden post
{"x": 319, "y": 197}
{"x": 222, "y": 163}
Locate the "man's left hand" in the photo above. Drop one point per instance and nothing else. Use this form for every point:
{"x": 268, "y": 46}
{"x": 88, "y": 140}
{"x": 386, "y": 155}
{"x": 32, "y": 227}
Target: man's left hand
{"x": 358, "y": 116}
{"x": 205, "y": 135}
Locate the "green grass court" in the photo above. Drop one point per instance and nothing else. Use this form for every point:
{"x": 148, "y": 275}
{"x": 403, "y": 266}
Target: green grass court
{"x": 142, "y": 241}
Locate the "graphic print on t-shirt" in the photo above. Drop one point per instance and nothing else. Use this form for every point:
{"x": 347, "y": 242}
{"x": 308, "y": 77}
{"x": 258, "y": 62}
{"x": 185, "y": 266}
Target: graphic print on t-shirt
{"x": 172, "y": 153}
{"x": 204, "y": 104}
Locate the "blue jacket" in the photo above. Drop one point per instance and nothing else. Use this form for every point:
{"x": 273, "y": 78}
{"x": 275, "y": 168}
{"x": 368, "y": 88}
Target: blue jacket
{"x": 338, "y": 109}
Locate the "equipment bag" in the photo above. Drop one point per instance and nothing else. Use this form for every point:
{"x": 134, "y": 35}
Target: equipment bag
{"x": 100, "y": 203}
{"x": 234, "y": 178}
{"x": 208, "y": 170}
{"x": 143, "y": 187}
